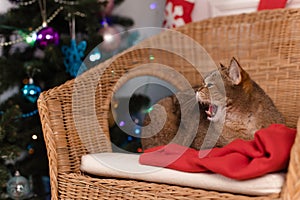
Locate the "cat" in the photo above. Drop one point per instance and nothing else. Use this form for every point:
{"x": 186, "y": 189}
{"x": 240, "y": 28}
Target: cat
{"x": 229, "y": 104}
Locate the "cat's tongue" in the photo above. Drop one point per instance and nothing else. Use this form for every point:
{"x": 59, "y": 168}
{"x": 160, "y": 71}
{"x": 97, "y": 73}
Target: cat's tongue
{"x": 210, "y": 109}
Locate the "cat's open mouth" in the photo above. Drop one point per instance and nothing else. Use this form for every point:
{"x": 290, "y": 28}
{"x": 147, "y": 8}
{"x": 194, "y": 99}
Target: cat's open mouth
{"x": 212, "y": 110}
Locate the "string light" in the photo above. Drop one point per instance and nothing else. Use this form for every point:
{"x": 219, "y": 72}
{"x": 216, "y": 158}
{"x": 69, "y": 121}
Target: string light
{"x": 67, "y": 2}
{"x": 30, "y": 114}
{"x": 34, "y": 136}
{"x": 18, "y": 40}
{"x": 148, "y": 110}
{"x": 11, "y": 42}
{"x": 95, "y": 55}
{"x": 153, "y": 6}
{"x": 24, "y": 115}
{"x": 71, "y": 3}
{"x": 122, "y": 123}
{"x": 137, "y": 131}
{"x": 151, "y": 57}
{"x": 22, "y": 3}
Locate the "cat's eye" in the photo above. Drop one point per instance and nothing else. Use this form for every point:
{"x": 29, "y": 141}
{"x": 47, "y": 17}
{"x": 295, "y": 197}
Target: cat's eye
{"x": 208, "y": 85}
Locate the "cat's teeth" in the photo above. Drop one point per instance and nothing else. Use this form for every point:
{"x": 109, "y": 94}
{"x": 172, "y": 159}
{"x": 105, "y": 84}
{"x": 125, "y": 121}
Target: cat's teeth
{"x": 208, "y": 113}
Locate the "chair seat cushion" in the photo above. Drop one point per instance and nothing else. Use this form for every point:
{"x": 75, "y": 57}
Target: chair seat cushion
{"x": 123, "y": 165}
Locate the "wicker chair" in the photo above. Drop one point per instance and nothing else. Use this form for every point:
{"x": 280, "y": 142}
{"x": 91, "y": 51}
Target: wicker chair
{"x": 266, "y": 43}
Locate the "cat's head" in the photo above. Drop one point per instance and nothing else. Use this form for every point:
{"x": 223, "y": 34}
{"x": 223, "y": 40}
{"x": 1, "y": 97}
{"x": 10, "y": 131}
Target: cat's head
{"x": 221, "y": 86}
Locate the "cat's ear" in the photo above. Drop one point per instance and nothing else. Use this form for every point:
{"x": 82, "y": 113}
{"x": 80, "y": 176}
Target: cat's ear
{"x": 235, "y": 71}
{"x": 222, "y": 66}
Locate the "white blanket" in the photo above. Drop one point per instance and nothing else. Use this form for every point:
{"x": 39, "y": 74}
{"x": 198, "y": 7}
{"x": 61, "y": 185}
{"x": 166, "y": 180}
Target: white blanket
{"x": 122, "y": 165}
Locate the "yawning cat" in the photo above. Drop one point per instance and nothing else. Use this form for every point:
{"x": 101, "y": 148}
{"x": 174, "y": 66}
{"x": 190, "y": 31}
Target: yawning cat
{"x": 231, "y": 105}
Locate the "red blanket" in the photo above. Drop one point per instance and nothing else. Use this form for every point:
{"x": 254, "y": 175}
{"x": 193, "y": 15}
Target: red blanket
{"x": 271, "y": 4}
{"x": 269, "y": 151}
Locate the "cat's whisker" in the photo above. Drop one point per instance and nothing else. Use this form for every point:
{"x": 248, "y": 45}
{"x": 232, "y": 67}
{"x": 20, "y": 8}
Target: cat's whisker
{"x": 197, "y": 96}
{"x": 189, "y": 102}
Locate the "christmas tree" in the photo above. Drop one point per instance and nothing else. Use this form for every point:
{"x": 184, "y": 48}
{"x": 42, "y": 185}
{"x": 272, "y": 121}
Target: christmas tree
{"x": 44, "y": 43}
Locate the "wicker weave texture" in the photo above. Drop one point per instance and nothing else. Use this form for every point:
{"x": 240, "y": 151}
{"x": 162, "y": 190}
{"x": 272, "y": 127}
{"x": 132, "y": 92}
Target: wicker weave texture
{"x": 75, "y": 115}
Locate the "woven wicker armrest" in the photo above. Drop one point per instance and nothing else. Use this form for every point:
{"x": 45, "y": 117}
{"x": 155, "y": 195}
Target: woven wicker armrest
{"x": 74, "y": 115}
{"x": 292, "y": 186}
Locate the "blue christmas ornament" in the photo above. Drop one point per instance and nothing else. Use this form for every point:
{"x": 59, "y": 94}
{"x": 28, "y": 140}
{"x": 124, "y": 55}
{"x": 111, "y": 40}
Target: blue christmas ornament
{"x": 73, "y": 56}
{"x": 30, "y": 91}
